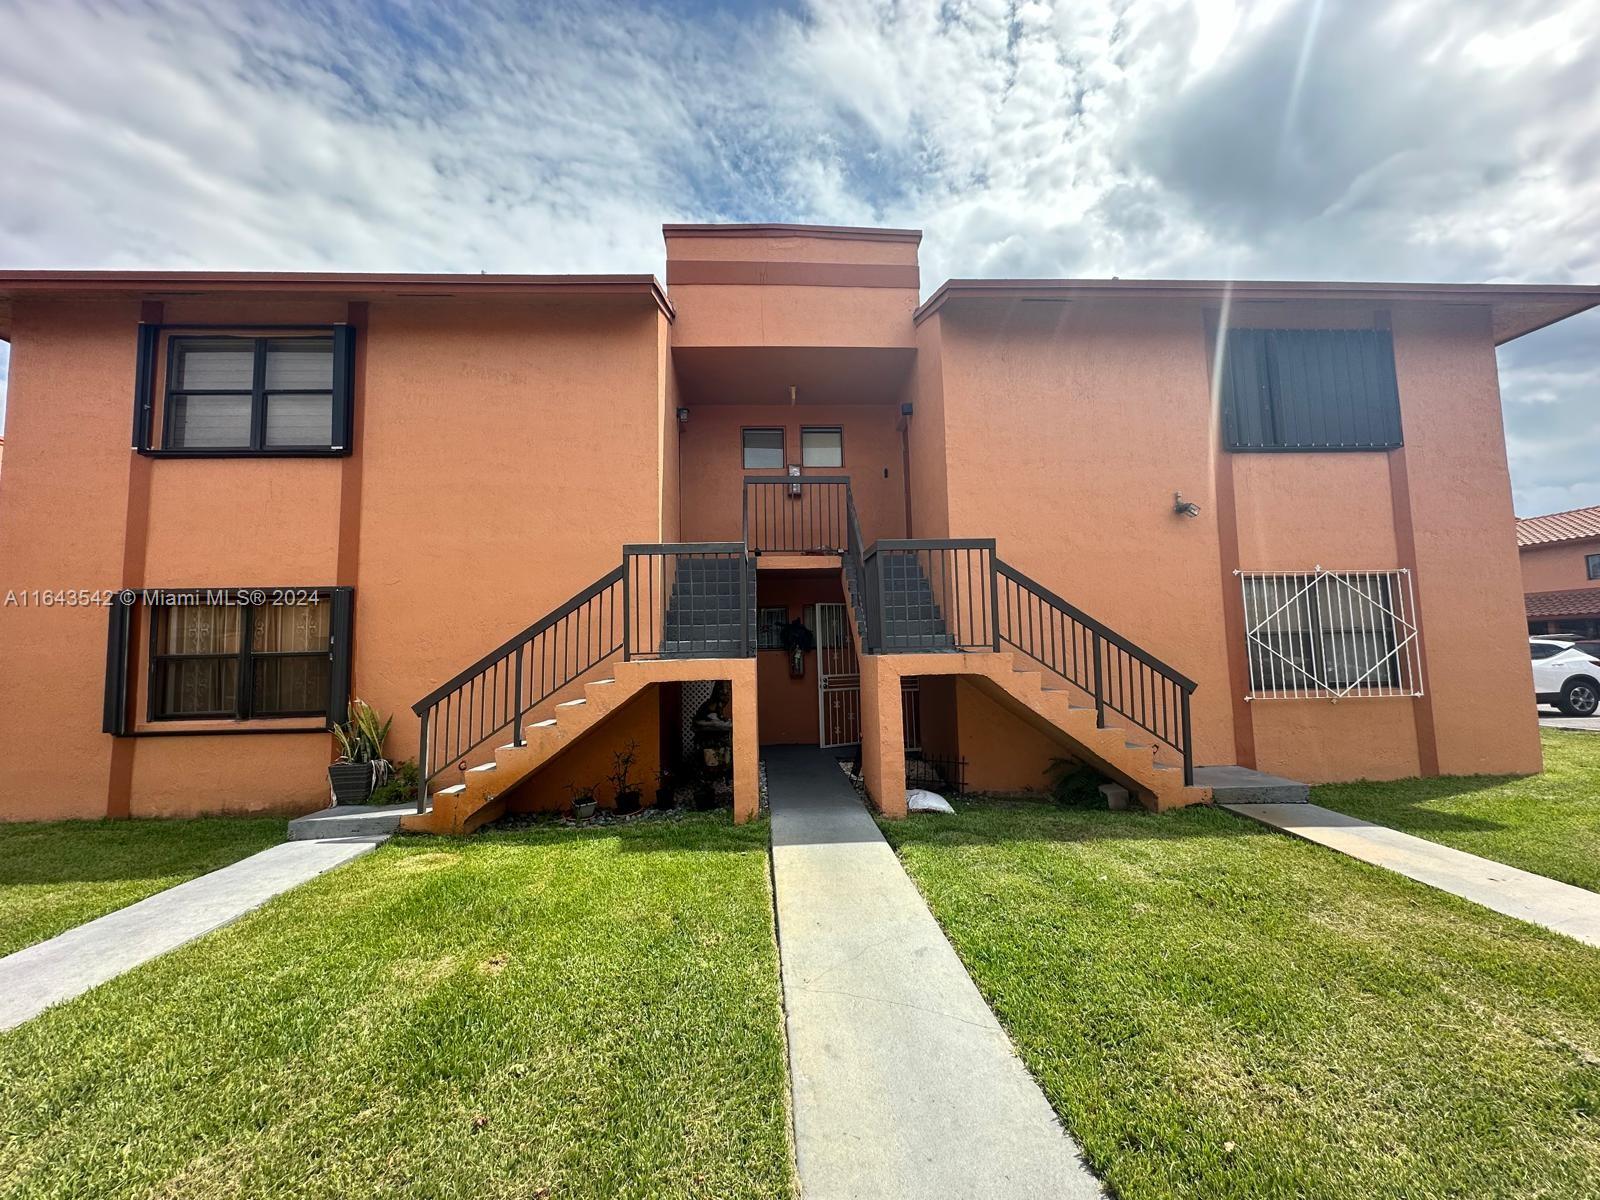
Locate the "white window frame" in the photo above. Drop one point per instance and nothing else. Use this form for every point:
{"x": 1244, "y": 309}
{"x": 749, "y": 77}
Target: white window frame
{"x": 1303, "y": 602}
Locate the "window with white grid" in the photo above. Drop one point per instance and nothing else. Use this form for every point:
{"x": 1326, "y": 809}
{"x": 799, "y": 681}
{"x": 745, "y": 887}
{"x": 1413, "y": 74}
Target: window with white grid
{"x": 1331, "y": 634}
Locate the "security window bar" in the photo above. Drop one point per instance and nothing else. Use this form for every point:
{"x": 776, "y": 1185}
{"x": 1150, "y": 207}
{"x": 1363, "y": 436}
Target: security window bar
{"x": 1331, "y": 634}
{"x": 219, "y": 661}
{"x": 769, "y": 628}
{"x": 1309, "y": 390}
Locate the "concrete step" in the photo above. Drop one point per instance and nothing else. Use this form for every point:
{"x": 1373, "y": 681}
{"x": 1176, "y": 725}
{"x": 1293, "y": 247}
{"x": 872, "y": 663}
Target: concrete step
{"x": 1240, "y": 785}
{"x": 349, "y": 821}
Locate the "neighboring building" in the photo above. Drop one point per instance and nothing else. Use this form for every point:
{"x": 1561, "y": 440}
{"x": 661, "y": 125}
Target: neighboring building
{"x": 1561, "y": 571}
{"x": 1140, "y": 524}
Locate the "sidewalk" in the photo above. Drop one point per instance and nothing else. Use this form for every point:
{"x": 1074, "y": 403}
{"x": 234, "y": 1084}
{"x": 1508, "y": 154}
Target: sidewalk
{"x": 904, "y": 1084}
{"x": 1573, "y": 911}
{"x": 33, "y": 979}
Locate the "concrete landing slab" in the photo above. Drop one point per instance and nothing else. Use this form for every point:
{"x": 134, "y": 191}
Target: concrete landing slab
{"x": 350, "y": 820}
{"x": 1573, "y": 911}
{"x": 1241, "y": 785}
{"x": 904, "y": 1084}
{"x": 71, "y": 963}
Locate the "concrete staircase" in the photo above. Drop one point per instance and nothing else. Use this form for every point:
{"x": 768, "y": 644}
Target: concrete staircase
{"x": 479, "y": 798}
{"x": 1150, "y": 769}
{"x": 910, "y": 614}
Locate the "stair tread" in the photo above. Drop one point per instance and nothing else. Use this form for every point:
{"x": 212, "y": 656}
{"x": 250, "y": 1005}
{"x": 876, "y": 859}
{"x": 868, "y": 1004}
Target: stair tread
{"x": 573, "y": 703}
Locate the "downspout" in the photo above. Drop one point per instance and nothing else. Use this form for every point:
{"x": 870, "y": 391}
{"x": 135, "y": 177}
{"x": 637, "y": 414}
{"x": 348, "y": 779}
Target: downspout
{"x": 904, "y": 427}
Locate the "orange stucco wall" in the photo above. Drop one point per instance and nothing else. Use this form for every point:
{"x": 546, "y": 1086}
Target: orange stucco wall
{"x": 1558, "y": 568}
{"x": 766, "y": 313}
{"x": 1095, "y": 414}
{"x": 505, "y": 451}
{"x": 713, "y": 474}
{"x": 589, "y": 761}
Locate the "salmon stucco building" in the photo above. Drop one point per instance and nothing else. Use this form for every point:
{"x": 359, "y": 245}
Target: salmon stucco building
{"x": 1560, "y": 555}
{"x": 1146, "y": 525}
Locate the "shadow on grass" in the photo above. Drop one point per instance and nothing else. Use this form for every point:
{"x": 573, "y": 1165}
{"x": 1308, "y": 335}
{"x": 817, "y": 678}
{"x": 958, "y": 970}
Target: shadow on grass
{"x": 684, "y": 831}
{"x": 65, "y": 852}
{"x": 1407, "y": 801}
{"x": 1038, "y": 819}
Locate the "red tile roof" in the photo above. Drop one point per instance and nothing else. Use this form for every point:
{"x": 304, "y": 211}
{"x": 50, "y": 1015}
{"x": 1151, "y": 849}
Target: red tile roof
{"x": 1578, "y": 602}
{"x": 1559, "y": 527}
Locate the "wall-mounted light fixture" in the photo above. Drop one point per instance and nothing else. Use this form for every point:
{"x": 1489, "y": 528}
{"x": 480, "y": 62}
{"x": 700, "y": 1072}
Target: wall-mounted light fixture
{"x": 683, "y": 416}
{"x": 1184, "y": 508}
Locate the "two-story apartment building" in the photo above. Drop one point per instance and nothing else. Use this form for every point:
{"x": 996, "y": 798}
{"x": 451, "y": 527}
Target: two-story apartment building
{"x": 1560, "y": 555}
{"x": 1143, "y": 524}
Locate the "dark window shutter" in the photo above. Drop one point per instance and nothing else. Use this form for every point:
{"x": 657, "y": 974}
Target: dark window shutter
{"x": 119, "y": 616}
{"x": 144, "y": 384}
{"x": 344, "y": 375}
{"x": 1310, "y": 389}
{"x": 341, "y": 648}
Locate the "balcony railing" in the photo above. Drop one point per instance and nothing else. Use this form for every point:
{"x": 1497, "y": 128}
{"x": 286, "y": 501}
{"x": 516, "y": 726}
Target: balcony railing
{"x": 688, "y": 600}
{"x": 798, "y": 514}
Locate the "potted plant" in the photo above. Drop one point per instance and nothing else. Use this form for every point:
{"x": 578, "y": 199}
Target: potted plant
{"x": 582, "y": 800}
{"x": 627, "y": 796}
{"x": 360, "y": 766}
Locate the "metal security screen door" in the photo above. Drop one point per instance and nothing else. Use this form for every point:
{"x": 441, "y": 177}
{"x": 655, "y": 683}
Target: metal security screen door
{"x": 838, "y": 679}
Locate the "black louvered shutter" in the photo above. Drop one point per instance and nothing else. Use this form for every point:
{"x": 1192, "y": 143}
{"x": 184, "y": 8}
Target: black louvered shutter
{"x": 1310, "y": 389}
{"x": 119, "y": 618}
{"x": 341, "y": 650}
{"x": 344, "y": 378}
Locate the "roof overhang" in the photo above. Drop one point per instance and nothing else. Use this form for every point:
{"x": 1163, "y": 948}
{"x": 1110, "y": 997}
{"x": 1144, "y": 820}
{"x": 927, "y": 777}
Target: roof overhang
{"x": 1515, "y": 308}
{"x": 850, "y": 233}
{"x": 167, "y": 285}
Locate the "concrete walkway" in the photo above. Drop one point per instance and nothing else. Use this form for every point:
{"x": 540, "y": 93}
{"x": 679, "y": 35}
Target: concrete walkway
{"x": 1573, "y": 911}
{"x": 33, "y": 979}
{"x": 904, "y": 1083}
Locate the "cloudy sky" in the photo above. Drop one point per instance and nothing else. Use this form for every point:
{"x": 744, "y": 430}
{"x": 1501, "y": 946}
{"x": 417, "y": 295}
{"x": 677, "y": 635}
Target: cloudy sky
{"x": 1454, "y": 140}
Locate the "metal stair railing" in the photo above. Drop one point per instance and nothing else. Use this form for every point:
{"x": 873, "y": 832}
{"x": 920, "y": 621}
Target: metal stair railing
{"x": 1119, "y": 675}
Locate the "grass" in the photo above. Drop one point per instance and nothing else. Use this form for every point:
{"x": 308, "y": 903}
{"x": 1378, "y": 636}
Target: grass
{"x": 1217, "y": 1010}
{"x": 57, "y": 874}
{"x": 544, "y": 1013}
{"x": 1548, "y": 824}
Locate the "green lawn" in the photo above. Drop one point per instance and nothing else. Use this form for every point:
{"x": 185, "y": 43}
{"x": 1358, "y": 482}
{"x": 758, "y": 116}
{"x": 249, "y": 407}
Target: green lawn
{"x": 57, "y": 874}
{"x": 545, "y": 1013}
{"x": 1217, "y": 1010}
{"x": 1548, "y": 824}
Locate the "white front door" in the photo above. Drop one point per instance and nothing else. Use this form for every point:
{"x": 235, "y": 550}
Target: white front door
{"x": 838, "y": 679}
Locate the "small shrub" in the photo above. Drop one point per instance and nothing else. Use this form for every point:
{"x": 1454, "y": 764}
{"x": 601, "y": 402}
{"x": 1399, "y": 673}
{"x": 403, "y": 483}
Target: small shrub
{"x": 1075, "y": 784}
{"x": 400, "y": 787}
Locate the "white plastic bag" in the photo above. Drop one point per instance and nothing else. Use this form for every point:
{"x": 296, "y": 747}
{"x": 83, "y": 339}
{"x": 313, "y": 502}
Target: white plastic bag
{"x": 918, "y": 800}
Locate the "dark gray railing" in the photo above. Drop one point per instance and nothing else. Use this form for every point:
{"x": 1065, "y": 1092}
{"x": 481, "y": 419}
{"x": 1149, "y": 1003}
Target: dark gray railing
{"x": 688, "y": 600}
{"x": 855, "y": 571}
{"x": 1118, "y": 675}
{"x": 931, "y": 595}
{"x": 797, "y": 514}
{"x": 502, "y": 687}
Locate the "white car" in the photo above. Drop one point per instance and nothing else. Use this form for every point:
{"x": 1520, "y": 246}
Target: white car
{"x": 1567, "y": 674}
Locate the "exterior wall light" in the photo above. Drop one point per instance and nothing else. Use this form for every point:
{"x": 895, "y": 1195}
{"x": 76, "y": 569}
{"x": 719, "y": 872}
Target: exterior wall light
{"x": 1184, "y": 508}
{"x": 683, "y": 416}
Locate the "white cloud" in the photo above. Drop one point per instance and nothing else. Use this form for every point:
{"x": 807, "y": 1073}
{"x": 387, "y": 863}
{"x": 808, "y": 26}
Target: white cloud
{"x": 1142, "y": 137}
